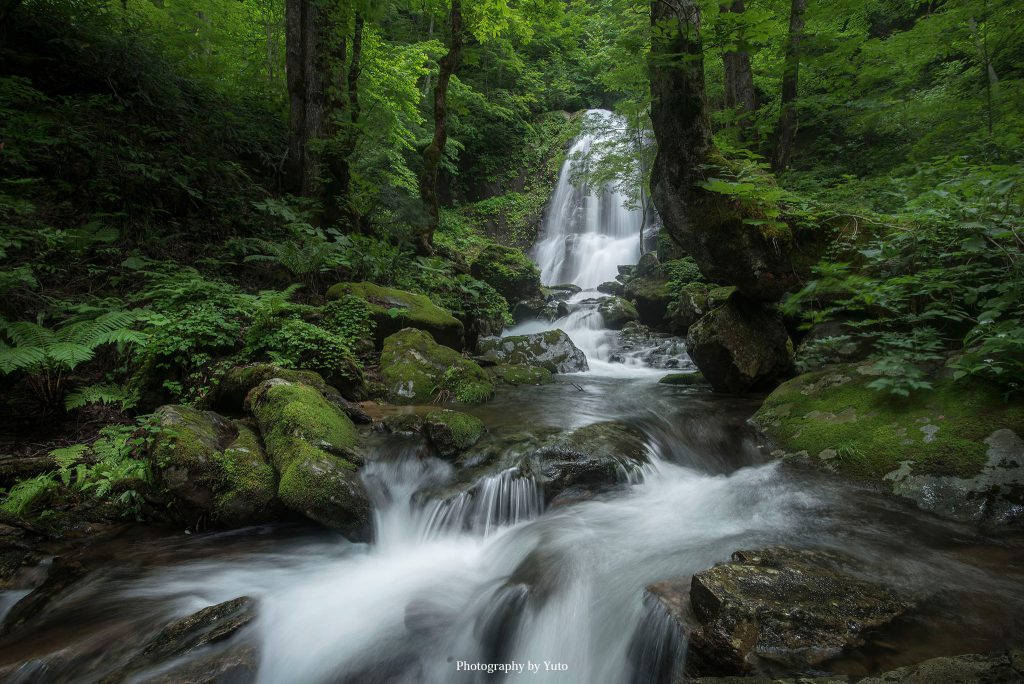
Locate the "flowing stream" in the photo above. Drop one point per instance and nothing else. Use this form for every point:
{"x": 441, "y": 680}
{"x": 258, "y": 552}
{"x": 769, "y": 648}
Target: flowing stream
{"x": 489, "y": 575}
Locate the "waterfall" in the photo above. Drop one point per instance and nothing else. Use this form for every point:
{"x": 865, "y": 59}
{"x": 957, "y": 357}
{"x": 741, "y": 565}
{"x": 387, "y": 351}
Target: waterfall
{"x": 586, "y": 235}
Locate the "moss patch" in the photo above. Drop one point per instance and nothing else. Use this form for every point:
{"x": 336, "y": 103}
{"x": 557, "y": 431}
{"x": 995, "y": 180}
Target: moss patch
{"x": 509, "y": 271}
{"x": 393, "y": 310}
{"x": 251, "y": 481}
{"x": 416, "y": 370}
{"x": 451, "y": 431}
{"x": 519, "y": 374}
{"x": 840, "y": 424}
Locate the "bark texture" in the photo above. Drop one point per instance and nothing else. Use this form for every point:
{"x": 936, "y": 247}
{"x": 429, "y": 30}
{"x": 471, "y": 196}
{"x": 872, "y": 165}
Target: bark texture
{"x": 435, "y": 150}
{"x": 307, "y": 92}
{"x": 785, "y": 129}
{"x": 739, "y": 79}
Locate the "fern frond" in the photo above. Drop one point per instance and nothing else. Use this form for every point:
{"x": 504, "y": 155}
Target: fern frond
{"x": 29, "y": 334}
{"x": 19, "y": 358}
{"x": 99, "y": 394}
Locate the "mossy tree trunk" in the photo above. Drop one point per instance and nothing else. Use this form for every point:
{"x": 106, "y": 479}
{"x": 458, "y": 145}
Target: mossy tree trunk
{"x": 307, "y": 92}
{"x": 785, "y": 129}
{"x": 435, "y": 150}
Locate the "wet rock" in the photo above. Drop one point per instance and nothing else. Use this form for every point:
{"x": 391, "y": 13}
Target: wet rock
{"x": 213, "y": 467}
{"x": 691, "y": 305}
{"x": 63, "y": 574}
{"x": 955, "y": 449}
{"x": 417, "y": 370}
{"x": 403, "y": 423}
{"x": 508, "y": 271}
{"x": 452, "y": 432}
{"x": 589, "y": 459}
{"x": 199, "y": 632}
{"x": 612, "y": 287}
{"x": 648, "y": 265}
{"x": 683, "y": 379}
{"x": 312, "y": 445}
{"x": 393, "y": 309}
{"x": 992, "y": 668}
{"x": 229, "y": 395}
{"x": 778, "y": 607}
{"x": 741, "y": 346}
{"x": 562, "y": 292}
{"x": 519, "y": 374}
{"x": 540, "y": 309}
{"x": 616, "y": 312}
{"x": 552, "y": 349}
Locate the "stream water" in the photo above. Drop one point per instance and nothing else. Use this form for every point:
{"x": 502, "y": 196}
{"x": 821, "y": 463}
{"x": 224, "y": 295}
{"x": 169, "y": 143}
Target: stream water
{"x": 495, "y": 577}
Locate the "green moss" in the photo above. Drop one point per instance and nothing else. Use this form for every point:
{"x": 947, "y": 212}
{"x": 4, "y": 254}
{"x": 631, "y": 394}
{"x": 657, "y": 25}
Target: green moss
{"x": 293, "y": 416}
{"x": 393, "y": 309}
{"x": 229, "y": 394}
{"x": 451, "y": 431}
{"x": 509, "y": 271}
{"x": 841, "y": 424}
{"x": 417, "y": 370}
{"x": 519, "y": 374}
{"x": 251, "y": 481}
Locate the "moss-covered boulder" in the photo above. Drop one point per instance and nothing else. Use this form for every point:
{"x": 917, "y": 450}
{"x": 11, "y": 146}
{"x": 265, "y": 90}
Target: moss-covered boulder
{"x": 616, "y": 312}
{"x": 589, "y": 459}
{"x": 690, "y": 306}
{"x": 213, "y": 467}
{"x": 774, "y": 607}
{"x": 651, "y": 294}
{"x": 519, "y": 374}
{"x": 393, "y": 309}
{"x": 312, "y": 445}
{"x": 418, "y": 370}
{"x": 741, "y": 346}
{"x": 955, "y": 450}
{"x": 452, "y": 432}
{"x": 509, "y": 271}
{"x": 612, "y": 287}
{"x": 228, "y": 396}
{"x": 540, "y": 309}
{"x": 552, "y": 349}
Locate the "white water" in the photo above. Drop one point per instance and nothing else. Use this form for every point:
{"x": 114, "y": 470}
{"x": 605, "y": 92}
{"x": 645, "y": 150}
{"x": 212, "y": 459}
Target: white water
{"x": 586, "y": 235}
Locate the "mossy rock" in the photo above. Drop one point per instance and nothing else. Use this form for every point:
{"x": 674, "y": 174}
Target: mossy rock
{"x": 393, "y": 309}
{"x": 651, "y": 294}
{"x": 683, "y": 379}
{"x": 741, "y": 346}
{"x": 519, "y": 374}
{"x": 212, "y": 466}
{"x": 616, "y": 312}
{"x": 452, "y": 432}
{"x": 950, "y": 449}
{"x": 552, "y": 349}
{"x": 509, "y": 271}
{"x": 692, "y": 303}
{"x": 312, "y": 444}
{"x": 417, "y": 370}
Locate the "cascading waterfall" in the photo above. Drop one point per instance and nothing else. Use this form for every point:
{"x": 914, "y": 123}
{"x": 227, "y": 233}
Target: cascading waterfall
{"x": 586, "y": 235}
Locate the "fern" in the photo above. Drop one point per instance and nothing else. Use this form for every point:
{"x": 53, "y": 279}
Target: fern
{"x": 100, "y": 394}
{"x": 47, "y": 354}
{"x": 24, "y": 494}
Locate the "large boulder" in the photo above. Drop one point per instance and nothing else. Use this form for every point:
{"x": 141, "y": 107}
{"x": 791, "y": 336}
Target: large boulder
{"x": 774, "y": 608}
{"x": 418, "y": 370}
{"x": 540, "y": 309}
{"x": 228, "y": 396}
{"x": 508, "y": 271}
{"x": 616, "y": 312}
{"x": 651, "y": 294}
{"x": 393, "y": 309}
{"x": 741, "y": 346}
{"x": 452, "y": 432}
{"x": 213, "y": 467}
{"x": 312, "y": 445}
{"x": 552, "y": 349}
{"x": 955, "y": 450}
{"x": 589, "y": 459}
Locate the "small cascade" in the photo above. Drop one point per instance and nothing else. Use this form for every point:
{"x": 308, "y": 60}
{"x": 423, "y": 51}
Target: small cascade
{"x": 501, "y": 500}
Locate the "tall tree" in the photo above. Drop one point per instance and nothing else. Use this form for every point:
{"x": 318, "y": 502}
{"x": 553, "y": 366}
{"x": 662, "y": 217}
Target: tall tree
{"x": 739, "y": 77}
{"x": 306, "y": 61}
{"x": 786, "y": 127}
{"x": 343, "y": 131}
{"x": 435, "y": 149}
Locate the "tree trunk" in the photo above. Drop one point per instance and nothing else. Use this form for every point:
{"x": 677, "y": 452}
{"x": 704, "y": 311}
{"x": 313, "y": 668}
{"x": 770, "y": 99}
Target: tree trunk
{"x": 785, "y": 129}
{"x": 307, "y": 93}
{"x": 435, "y": 150}
{"x": 344, "y": 135}
{"x": 739, "y": 78}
